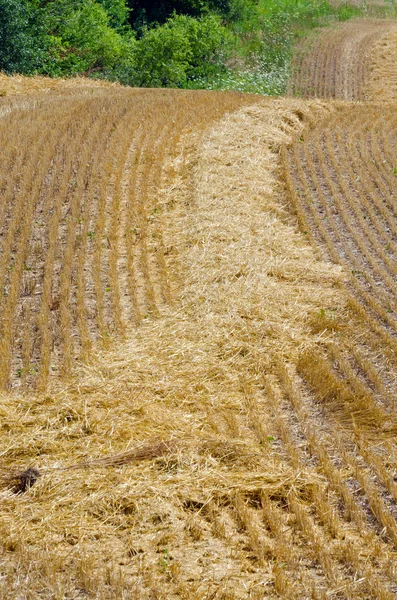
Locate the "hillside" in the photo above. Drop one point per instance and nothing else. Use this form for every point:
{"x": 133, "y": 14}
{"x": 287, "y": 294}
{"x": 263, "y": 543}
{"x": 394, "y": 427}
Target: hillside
{"x": 198, "y": 335}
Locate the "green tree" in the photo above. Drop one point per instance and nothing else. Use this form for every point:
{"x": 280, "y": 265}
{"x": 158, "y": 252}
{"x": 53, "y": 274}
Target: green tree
{"x": 84, "y": 39}
{"x": 118, "y": 13}
{"x": 23, "y": 40}
{"x": 145, "y": 12}
{"x": 179, "y": 50}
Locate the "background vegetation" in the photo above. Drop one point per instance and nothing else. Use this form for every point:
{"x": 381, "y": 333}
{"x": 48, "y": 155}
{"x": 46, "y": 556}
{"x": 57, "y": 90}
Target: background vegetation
{"x": 213, "y": 44}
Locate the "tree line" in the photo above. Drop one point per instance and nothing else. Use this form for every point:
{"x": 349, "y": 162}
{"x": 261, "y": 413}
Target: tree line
{"x": 244, "y": 45}
{"x": 139, "y": 43}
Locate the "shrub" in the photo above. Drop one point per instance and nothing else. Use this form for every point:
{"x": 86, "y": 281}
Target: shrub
{"x": 118, "y": 13}
{"x": 179, "y": 50}
{"x": 23, "y": 42}
{"x": 83, "y": 39}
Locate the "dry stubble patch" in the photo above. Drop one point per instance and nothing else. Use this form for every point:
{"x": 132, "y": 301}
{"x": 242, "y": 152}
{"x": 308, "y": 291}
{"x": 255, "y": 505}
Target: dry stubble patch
{"x": 193, "y": 459}
{"x": 83, "y": 232}
{"x": 18, "y": 85}
{"x": 340, "y": 178}
{"x": 383, "y": 70}
{"x": 244, "y": 283}
{"x": 345, "y": 61}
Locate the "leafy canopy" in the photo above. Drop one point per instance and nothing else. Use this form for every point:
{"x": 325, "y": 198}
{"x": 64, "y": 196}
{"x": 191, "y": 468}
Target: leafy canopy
{"x": 23, "y": 39}
{"x": 179, "y": 50}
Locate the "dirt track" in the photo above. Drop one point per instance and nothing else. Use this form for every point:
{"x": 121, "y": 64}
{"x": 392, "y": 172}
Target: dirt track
{"x": 228, "y": 266}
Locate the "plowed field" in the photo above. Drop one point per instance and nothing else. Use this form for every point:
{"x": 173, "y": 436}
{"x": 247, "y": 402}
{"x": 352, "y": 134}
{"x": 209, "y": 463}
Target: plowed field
{"x": 199, "y": 335}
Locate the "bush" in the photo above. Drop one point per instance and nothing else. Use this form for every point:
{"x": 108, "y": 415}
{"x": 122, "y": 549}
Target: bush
{"x": 179, "y": 50}
{"x": 242, "y": 44}
{"x": 118, "y": 13}
{"x": 146, "y": 12}
{"x": 84, "y": 41}
{"x": 23, "y": 42}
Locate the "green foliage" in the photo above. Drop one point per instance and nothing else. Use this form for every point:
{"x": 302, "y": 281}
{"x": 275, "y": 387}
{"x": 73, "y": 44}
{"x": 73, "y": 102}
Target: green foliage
{"x": 242, "y": 11}
{"x": 163, "y": 57}
{"x": 146, "y": 12}
{"x": 84, "y": 41}
{"x": 264, "y": 42}
{"x": 179, "y": 50}
{"x": 344, "y": 12}
{"x": 234, "y": 10}
{"x": 66, "y": 37}
{"x": 118, "y": 13}
{"x": 244, "y": 45}
{"x": 23, "y": 41}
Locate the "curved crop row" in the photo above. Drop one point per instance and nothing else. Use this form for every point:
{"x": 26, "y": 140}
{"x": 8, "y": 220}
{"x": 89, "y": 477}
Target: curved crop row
{"x": 340, "y": 179}
{"x": 81, "y": 233}
{"x": 342, "y": 185}
{"x": 336, "y": 64}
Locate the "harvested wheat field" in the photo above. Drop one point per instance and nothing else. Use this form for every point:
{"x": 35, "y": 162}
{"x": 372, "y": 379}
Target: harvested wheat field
{"x": 343, "y": 61}
{"x": 199, "y": 335}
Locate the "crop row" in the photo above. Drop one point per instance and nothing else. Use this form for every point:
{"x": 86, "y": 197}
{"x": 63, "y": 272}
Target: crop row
{"x": 335, "y": 64}
{"x": 81, "y": 223}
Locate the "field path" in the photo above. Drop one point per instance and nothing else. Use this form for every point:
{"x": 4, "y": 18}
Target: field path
{"x": 199, "y": 336}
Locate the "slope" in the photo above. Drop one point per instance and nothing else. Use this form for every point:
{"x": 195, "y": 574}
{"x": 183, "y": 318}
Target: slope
{"x": 235, "y": 436}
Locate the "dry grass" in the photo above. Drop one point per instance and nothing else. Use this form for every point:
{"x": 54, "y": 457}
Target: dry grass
{"x": 383, "y": 78}
{"x": 22, "y": 85}
{"x": 219, "y": 422}
{"x": 339, "y": 63}
{"x": 92, "y": 222}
